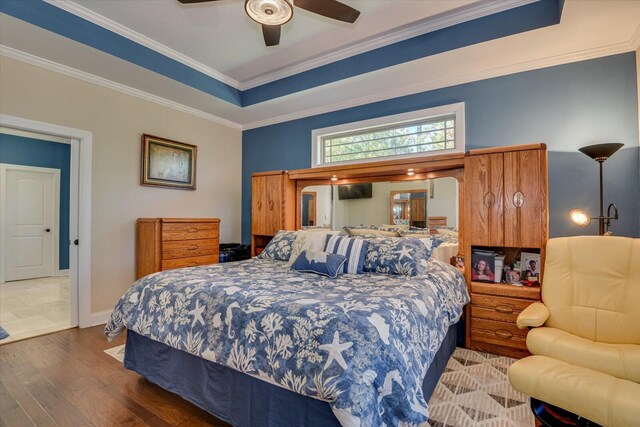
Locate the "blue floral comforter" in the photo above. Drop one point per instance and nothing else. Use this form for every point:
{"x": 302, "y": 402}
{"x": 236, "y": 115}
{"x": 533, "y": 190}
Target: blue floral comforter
{"x": 362, "y": 342}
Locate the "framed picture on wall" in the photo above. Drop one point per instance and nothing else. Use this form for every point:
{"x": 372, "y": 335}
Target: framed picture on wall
{"x": 167, "y": 163}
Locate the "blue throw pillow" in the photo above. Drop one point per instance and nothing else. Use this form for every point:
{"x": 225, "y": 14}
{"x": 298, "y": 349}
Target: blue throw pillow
{"x": 406, "y": 256}
{"x": 354, "y": 249}
{"x": 322, "y": 263}
{"x": 279, "y": 248}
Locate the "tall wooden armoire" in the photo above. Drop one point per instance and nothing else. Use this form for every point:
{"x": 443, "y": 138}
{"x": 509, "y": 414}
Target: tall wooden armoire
{"x": 506, "y": 210}
{"x": 273, "y": 207}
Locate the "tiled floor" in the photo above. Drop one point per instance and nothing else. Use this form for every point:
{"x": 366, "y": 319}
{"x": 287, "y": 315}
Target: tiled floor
{"x": 34, "y": 307}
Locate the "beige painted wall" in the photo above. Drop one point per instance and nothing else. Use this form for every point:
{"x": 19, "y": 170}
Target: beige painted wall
{"x": 117, "y": 122}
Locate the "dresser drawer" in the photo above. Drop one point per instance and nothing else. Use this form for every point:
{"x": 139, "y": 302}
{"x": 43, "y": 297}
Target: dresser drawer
{"x": 498, "y": 333}
{"x": 497, "y": 308}
{"x": 189, "y": 231}
{"x": 170, "y": 264}
{"x": 493, "y": 325}
{"x": 189, "y": 248}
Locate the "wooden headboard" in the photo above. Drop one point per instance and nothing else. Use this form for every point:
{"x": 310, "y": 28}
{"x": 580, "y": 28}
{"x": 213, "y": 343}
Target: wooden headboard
{"x": 422, "y": 168}
{"x": 436, "y": 221}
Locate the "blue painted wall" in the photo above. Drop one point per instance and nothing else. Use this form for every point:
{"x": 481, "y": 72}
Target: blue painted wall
{"x": 23, "y": 151}
{"x": 567, "y": 107}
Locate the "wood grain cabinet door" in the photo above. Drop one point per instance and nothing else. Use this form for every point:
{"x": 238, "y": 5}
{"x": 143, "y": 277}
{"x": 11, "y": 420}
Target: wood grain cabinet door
{"x": 484, "y": 189}
{"x": 274, "y": 200}
{"x": 525, "y": 214}
{"x": 259, "y": 205}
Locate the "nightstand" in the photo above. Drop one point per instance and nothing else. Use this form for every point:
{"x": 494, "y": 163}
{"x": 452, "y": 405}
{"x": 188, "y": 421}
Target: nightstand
{"x": 492, "y": 321}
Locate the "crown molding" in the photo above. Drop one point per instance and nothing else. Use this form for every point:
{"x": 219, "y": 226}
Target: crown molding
{"x": 635, "y": 39}
{"x": 18, "y": 55}
{"x": 418, "y": 28}
{"x": 406, "y": 32}
{"x": 141, "y": 39}
{"x": 585, "y": 55}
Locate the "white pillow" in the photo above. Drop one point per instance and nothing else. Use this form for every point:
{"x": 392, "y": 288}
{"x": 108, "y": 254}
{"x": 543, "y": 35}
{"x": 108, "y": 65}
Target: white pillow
{"x": 398, "y": 226}
{"x": 307, "y": 240}
{"x": 446, "y": 231}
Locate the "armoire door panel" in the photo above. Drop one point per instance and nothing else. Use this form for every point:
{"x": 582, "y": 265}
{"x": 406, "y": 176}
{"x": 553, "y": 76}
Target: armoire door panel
{"x": 259, "y": 204}
{"x": 274, "y": 201}
{"x": 524, "y": 212}
{"x": 484, "y": 186}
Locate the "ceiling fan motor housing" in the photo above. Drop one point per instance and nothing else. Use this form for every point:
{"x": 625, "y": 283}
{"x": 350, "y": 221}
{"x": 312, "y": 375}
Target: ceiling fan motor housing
{"x": 269, "y": 12}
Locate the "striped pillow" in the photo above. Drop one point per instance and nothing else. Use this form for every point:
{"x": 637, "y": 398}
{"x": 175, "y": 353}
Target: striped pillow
{"x": 354, "y": 249}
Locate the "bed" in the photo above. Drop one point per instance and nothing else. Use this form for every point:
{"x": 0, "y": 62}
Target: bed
{"x": 257, "y": 344}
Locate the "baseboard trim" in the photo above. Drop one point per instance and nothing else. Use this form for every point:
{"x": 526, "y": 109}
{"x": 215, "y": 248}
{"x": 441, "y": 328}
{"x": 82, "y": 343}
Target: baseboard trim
{"x": 100, "y": 318}
{"x": 63, "y": 272}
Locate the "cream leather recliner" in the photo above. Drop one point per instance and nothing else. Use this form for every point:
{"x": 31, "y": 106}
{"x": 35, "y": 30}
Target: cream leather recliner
{"x": 586, "y": 337}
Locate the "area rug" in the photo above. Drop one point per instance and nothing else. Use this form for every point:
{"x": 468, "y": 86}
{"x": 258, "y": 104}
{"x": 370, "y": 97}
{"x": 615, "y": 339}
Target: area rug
{"x": 472, "y": 391}
{"x": 116, "y": 352}
{"x": 3, "y": 333}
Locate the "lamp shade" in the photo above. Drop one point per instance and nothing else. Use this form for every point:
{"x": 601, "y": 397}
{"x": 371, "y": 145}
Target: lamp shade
{"x": 579, "y": 217}
{"x": 601, "y": 152}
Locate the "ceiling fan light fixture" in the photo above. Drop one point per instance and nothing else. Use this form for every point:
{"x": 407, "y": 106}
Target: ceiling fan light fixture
{"x": 269, "y": 12}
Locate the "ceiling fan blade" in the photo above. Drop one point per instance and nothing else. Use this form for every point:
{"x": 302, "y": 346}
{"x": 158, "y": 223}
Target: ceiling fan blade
{"x": 194, "y": 1}
{"x": 271, "y": 34}
{"x": 330, "y": 8}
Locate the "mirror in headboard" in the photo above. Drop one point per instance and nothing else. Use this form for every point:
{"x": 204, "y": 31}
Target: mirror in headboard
{"x": 409, "y": 207}
{"x": 316, "y": 206}
{"x": 419, "y": 204}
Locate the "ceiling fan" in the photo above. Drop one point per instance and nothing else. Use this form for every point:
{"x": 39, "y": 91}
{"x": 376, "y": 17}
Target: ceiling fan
{"x": 272, "y": 14}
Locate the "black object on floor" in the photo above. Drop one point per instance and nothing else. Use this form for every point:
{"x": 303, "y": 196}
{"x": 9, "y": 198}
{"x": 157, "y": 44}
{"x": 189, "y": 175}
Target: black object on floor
{"x": 234, "y": 252}
{"x": 552, "y": 416}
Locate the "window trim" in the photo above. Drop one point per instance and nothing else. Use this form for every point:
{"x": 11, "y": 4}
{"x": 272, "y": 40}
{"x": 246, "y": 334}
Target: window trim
{"x": 456, "y": 110}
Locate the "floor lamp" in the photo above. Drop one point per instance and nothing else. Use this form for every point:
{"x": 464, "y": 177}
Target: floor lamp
{"x": 599, "y": 153}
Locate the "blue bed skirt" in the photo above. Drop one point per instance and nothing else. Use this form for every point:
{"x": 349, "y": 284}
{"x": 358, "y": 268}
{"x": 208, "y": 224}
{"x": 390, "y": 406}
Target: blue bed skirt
{"x": 240, "y": 399}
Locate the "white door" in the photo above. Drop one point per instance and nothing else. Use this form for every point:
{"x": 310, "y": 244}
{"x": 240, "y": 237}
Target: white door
{"x": 30, "y": 222}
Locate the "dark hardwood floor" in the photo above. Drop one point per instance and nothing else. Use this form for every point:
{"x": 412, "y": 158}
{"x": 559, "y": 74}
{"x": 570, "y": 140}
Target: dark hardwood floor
{"x": 66, "y": 379}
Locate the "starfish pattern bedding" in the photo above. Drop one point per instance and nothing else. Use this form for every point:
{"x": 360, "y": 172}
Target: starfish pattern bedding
{"x": 361, "y": 342}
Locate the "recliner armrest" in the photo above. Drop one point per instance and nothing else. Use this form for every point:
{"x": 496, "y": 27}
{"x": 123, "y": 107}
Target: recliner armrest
{"x": 533, "y": 316}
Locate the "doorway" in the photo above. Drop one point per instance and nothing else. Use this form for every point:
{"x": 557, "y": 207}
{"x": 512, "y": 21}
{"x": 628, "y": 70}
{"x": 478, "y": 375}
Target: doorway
{"x": 31, "y": 218}
{"x": 35, "y": 275}
{"x": 309, "y": 208}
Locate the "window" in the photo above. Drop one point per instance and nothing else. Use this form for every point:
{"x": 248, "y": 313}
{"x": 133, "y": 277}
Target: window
{"x": 434, "y": 131}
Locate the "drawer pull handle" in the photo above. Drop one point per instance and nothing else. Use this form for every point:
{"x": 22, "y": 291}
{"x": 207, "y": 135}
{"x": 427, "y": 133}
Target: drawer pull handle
{"x": 504, "y": 309}
{"x": 503, "y": 334}
{"x": 192, "y": 230}
{"x": 259, "y": 205}
{"x": 192, "y": 248}
{"x": 270, "y": 205}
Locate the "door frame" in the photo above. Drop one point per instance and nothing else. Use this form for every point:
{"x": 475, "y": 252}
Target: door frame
{"x": 79, "y": 213}
{"x": 55, "y": 249}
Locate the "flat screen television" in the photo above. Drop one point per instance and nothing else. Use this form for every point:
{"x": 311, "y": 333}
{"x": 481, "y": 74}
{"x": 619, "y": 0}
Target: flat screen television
{"x": 355, "y": 191}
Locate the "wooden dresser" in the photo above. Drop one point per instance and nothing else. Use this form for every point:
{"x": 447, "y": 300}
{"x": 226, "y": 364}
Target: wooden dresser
{"x": 506, "y": 210}
{"x": 168, "y": 243}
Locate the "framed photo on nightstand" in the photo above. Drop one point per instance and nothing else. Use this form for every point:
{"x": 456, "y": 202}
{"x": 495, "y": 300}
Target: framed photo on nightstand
{"x": 483, "y": 268}
{"x": 530, "y": 264}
